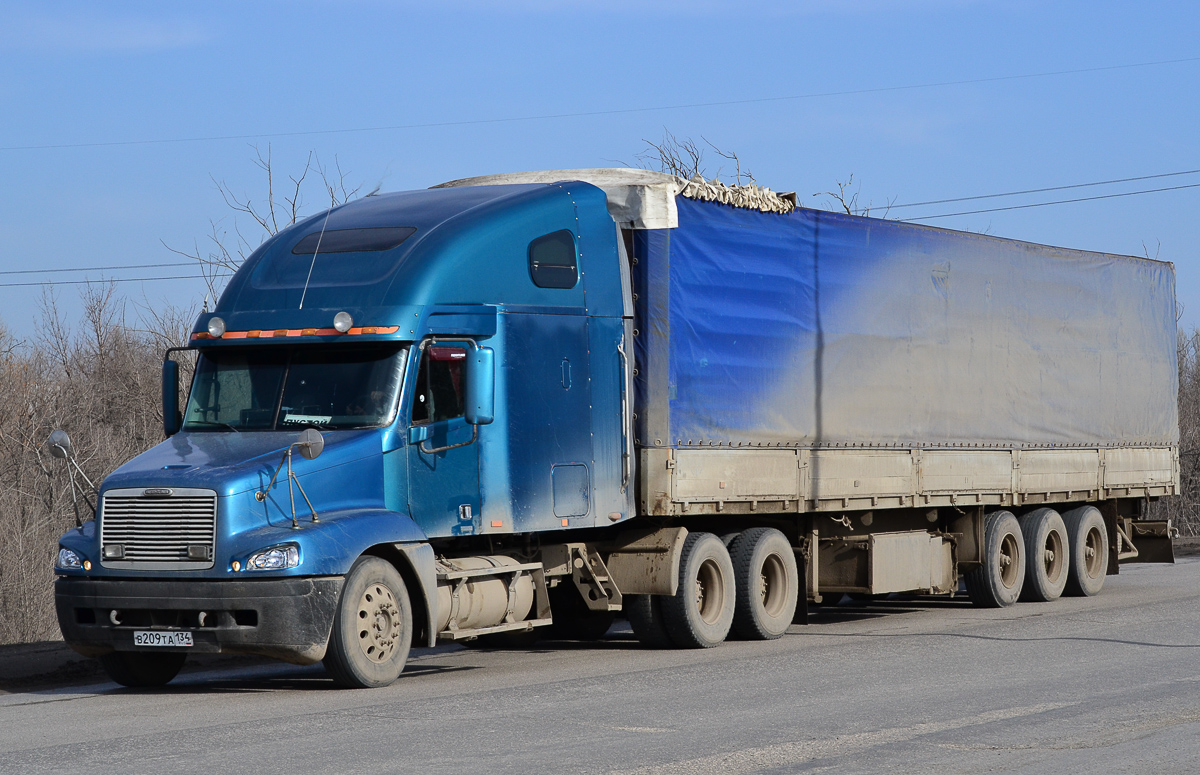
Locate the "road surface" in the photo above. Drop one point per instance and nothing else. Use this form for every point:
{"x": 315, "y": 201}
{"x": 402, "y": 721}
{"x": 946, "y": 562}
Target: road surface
{"x": 1105, "y": 684}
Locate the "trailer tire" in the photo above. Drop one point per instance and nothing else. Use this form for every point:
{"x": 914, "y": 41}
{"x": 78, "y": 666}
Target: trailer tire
{"x": 1087, "y": 540}
{"x": 1047, "y": 555}
{"x": 997, "y": 582}
{"x": 372, "y": 627}
{"x": 138, "y": 669}
{"x": 644, "y": 613}
{"x": 700, "y": 614}
{"x": 767, "y": 583}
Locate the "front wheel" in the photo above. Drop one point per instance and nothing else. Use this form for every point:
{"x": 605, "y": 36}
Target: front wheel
{"x": 372, "y": 629}
{"x": 138, "y": 669}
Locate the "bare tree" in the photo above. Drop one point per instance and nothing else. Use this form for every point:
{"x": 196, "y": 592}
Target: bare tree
{"x": 846, "y": 199}
{"x": 685, "y": 159}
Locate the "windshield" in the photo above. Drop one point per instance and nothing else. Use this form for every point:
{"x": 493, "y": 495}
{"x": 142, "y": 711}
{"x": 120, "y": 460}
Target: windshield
{"x": 282, "y": 388}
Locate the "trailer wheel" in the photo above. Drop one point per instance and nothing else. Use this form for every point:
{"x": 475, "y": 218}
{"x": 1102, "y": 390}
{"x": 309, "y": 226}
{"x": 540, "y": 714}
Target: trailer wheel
{"x": 997, "y": 582}
{"x": 767, "y": 582}
{"x": 644, "y": 613}
{"x": 1087, "y": 541}
{"x": 139, "y": 670}
{"x": 372, "y": 629}
{"x": 700, "y": 613}
{"x": 1047, "y": 555}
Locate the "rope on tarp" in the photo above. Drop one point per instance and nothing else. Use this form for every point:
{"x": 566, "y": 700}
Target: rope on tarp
{"x": 748, "y": 197}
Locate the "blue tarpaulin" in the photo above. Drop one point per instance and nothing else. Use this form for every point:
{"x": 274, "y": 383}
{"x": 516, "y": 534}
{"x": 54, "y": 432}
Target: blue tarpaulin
{"x": 820, "y": 329}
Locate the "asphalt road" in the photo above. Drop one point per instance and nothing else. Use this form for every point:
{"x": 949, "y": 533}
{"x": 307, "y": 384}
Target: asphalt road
{"x": 1106, "y": 684}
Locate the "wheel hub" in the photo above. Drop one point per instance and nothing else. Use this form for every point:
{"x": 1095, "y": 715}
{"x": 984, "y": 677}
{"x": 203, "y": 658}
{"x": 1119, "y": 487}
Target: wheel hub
{"x": 379, "y": 623}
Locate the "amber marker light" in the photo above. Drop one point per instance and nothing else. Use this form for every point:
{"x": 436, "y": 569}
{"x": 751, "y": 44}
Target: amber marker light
{"x": 237, "y": 566}
{"x": 87, "y": 564}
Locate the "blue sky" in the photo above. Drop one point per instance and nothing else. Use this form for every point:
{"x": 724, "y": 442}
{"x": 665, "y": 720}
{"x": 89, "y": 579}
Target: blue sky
{"x": 78, "y": 73}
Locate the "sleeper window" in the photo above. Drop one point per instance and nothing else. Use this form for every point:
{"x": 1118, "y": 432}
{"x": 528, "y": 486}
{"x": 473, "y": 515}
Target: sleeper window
{"x": 552, "y": 260}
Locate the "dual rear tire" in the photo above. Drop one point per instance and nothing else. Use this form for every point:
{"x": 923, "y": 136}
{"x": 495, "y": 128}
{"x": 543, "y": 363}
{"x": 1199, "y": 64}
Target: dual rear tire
{"x": 746, "y": 585}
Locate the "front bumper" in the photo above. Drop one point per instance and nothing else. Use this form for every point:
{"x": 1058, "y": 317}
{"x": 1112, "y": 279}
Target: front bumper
{"x": 287, "y": 619}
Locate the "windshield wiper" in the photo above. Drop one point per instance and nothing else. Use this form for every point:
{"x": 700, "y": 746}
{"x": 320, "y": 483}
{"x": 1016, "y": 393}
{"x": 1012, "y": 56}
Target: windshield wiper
{"x": 214, "y": 423}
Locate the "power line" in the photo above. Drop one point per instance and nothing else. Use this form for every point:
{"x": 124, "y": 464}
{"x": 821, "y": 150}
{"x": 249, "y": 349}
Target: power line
{"x": 103, "y": 282}
{"x": 613, "y": 112}
{"x": 1043, "y": 190}
{"x": 94, "y": 268}
{"x": 1056, "y": 202}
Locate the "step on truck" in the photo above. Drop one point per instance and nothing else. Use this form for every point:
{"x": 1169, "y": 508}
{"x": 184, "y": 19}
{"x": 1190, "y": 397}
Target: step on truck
{"x": 531, "y": 403}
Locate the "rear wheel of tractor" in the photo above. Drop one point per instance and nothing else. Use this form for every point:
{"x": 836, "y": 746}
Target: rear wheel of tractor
{"x": 997, "y": 582}
{"x": 1047, "y": 555}
{"x": 1087, "y": 540}
{"x": 138, "y": 669}
{"x": 644, "y": 613}
{"x": 573, "y": 620}
{"x": 700, "y": 613}
{"x": 767, "y": 582}
{"x": 372, "y": 628}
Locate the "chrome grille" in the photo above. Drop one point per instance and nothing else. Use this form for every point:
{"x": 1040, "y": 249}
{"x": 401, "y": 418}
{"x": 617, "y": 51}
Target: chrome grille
{"x": 157, "y": 530}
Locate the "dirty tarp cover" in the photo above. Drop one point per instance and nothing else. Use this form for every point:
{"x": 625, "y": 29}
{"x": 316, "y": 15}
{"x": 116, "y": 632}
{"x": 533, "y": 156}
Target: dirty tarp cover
{"x": 816, "y": 327}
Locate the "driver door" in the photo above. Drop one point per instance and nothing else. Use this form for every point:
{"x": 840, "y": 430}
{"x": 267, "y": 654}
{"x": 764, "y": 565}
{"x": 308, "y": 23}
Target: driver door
{"x": 443, "y": 449}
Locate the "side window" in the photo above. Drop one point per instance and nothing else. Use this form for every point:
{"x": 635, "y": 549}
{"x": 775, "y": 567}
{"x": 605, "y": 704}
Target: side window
{"x": 552, "y": 261}
{"x": 441, "y": 385}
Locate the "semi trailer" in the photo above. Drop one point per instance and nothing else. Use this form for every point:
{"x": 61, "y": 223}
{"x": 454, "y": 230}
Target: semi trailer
{"x": 534, "y": 402}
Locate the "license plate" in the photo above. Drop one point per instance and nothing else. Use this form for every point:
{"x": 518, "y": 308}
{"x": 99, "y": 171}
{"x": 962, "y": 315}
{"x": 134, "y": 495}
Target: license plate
{"x": 161, "y": 638}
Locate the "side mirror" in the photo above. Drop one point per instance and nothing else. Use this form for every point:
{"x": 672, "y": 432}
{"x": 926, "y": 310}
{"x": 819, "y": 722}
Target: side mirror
{"x": 310, "y": 443}
{"x": 170, "y": 397}
{"x": 481, "y": 386}
{"x": 60, "y": 445}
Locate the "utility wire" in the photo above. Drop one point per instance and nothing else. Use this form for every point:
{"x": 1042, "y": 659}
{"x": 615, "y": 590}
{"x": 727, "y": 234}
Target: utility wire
{"x": 1043, "y": 190}
{"x": 103, "y": 282}
{"x": 613, "y": 112}
{"x": 1056, "y": 202}
{"x": 94, "y": 268}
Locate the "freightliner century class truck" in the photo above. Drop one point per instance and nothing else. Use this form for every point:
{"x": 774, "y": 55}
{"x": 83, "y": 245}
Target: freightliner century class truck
{"x": 537, "y": 401}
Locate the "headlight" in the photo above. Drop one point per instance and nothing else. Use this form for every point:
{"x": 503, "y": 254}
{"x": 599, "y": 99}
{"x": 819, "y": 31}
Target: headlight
{"x": 68, "y": 560}
{"x": 275, "y": 558}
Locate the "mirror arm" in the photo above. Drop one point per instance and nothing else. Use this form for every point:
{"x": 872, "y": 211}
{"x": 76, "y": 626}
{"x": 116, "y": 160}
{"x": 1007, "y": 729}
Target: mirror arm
{"x": 472, "y": 440}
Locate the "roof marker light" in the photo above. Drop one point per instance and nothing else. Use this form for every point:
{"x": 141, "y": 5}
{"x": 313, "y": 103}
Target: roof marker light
{"x": 343, "y": 322}
{"x": 216, "y": 327}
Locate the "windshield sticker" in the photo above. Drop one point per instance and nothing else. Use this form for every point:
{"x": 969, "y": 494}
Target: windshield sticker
{"x": 307, "y": 419}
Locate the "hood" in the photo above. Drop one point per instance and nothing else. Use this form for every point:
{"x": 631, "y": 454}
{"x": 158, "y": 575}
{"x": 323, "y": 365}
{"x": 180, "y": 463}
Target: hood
{"x": 231, "y": 462}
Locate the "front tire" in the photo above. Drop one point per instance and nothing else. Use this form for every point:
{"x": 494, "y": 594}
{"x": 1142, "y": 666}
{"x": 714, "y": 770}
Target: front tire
{"x": 1047, "y": 556}
{"x": 997, "y": 582}
{"x": 139, "y": 670}
{"x": 372, "y": 629}
{"x": 768, "y": 583}
{"x": 700, "y": 614}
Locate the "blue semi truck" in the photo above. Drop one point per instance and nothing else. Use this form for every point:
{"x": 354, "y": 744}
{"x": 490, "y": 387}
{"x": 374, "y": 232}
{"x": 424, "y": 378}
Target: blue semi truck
{"x": 531, "y": 403}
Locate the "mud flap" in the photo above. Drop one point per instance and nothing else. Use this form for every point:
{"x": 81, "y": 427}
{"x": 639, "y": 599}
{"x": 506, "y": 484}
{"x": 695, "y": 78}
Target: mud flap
{"x": 1145, "y": 541}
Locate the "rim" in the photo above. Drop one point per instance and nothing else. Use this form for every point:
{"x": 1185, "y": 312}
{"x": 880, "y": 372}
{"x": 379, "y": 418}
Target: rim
{"x": 1008, "y": 561}
{"x": 379, "y": 623}
{"x": 1052, "y": 555}
{"x": 1093, "y": 552}
{"x": 710, "y": 592}
{"x": 772, "y": 589}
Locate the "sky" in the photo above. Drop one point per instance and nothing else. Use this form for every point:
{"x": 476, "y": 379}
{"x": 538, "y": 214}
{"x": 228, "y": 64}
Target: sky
{"x": 121, "y": 117}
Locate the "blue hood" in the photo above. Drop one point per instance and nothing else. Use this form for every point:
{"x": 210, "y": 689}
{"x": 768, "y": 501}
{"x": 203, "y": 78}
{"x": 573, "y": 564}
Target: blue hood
{"x": 231, "y": 463}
